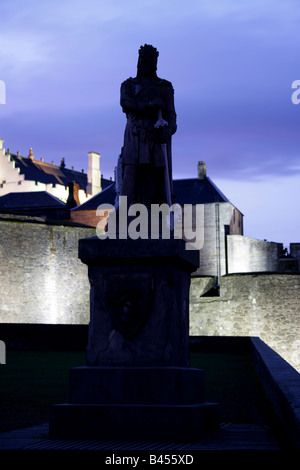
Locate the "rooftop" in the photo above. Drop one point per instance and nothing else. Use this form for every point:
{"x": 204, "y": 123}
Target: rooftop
{"x": 106, "y": 196}
{"x": 197, "y": 191}
{"x": 187, "y": 191}
{"x": 47, "y": 173}
{"x": 29, "y": 200}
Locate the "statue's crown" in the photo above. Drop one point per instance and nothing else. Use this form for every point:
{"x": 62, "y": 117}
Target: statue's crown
{"x": 148, "y": 50}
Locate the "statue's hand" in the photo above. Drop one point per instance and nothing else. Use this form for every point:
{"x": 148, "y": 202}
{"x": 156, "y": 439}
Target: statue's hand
{"x": 163, "y": 134}
{"x": 156, "y": 103}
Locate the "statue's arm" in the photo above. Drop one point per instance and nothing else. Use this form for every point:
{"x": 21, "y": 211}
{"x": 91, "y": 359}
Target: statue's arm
{"x": 169, "y": 110}
{"x": 127, "y": 101}
{"x": 130, "y": 103}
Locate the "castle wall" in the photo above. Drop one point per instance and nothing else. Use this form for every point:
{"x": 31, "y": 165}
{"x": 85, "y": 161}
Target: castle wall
{"x": 263, "y": 305}
{"x": 41, "y": 278}
{"x": 43, "y": 281}
{"x": 295, "y": 253}
{"x": 247, "y": 254}
{"x": 213, "y": 252}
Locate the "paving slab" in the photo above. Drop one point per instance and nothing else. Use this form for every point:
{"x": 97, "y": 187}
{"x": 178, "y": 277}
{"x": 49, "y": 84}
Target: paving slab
{"x": 231, "y": 436}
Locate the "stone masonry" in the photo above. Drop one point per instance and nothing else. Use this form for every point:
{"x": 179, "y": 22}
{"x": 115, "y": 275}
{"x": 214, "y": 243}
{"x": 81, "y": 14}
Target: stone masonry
{"x": 256, "y": 304}
{"x": 41, "y": 278}
{"x": 43, "y": 281}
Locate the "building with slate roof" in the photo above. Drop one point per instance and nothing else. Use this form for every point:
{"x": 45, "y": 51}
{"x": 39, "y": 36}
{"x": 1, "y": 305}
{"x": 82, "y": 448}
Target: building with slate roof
{"x": 86, "y": 213}
{"x": 34, "y": 187}
{"x": 20, "y": 174}
{"x": 221, "y": 217}
{"x": 35, "y": 203}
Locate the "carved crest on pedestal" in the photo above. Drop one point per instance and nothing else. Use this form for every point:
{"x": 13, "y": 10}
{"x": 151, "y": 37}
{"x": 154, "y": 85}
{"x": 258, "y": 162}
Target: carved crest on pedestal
{"x": 129, "y": 300}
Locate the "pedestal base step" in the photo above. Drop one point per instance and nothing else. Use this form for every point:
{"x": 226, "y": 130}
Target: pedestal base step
{"x": 173, "y": 423}
{"x": 136, "y": 385}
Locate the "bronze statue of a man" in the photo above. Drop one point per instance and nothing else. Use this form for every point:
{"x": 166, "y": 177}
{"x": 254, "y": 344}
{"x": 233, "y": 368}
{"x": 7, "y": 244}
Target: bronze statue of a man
{"x": 148, "y": 102}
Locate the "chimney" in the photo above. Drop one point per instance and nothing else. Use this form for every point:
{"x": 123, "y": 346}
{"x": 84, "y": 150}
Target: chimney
{"x": 31, "y": 156}
{"x": 1, "y": 144}
{"x": 73, "y": 199}
{"x": 201, "y": 170}
{"x": 94, "y": 174}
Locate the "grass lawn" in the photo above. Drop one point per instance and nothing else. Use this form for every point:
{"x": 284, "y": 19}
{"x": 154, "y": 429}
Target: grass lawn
{"x": 31, "y": 381}
{"x": 231, "y": 380}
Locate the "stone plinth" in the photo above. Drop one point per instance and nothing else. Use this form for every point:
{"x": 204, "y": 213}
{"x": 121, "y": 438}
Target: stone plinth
{"x": 134, "y": 404}
{"x": 139, "y": 301}
{"x": 137, "y": 383}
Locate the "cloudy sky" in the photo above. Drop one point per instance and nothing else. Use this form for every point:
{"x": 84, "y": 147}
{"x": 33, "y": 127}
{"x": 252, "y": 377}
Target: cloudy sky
{"x": 232, "y": 64}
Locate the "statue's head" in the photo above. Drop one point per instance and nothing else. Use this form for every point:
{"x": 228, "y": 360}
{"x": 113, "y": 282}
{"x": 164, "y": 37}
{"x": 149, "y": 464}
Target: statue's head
{"x": 147, "y": 61}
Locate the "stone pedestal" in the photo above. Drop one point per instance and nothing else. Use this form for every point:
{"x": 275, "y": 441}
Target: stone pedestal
{"x": 139, "y": 301}
{"x": 137, "y": 383}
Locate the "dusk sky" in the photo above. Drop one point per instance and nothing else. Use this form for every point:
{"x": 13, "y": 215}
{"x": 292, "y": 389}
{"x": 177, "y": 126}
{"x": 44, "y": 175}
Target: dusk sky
{"x": 232, "y": 64}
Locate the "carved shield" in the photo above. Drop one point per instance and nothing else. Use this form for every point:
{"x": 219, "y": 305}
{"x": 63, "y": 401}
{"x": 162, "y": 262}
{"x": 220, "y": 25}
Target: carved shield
{"x": 129, "y": 301}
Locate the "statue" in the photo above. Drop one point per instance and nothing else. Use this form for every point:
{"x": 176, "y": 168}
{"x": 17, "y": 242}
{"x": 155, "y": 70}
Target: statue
{"x": 148, "y": 102}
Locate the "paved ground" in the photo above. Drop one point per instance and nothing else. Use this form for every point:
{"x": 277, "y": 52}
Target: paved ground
{"x": 229, "y": 437}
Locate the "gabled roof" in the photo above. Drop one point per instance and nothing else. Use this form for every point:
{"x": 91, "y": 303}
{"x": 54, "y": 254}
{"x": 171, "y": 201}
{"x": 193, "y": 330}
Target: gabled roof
{"x": 197, "y": 191}
{"x": 106, "y": 196}
{"x": 30, "y": 200}
{"x": 46, "y": 173}
{"x": 187, "y": 191}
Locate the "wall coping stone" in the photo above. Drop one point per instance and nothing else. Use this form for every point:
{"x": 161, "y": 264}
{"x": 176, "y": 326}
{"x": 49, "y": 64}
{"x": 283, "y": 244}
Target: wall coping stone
{"x": 282, "y": 385}
{"x": 262, "y": 273}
